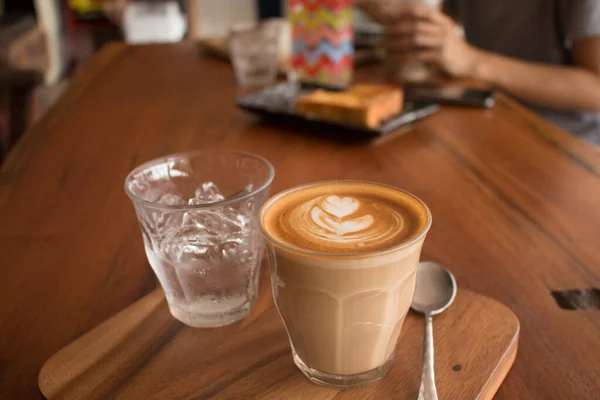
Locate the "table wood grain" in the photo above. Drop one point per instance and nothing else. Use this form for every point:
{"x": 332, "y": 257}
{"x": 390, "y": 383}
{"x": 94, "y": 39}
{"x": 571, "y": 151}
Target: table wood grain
{"x": 514, "y": 202}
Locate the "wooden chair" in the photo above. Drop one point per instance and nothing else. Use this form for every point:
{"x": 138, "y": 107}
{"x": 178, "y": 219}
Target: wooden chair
{"x": 23, "y": 63}
{"x": 16, "y": 105}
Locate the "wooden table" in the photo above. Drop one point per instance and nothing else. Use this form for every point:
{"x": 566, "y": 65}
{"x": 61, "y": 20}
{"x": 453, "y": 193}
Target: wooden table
{"x": 514, "y": 200}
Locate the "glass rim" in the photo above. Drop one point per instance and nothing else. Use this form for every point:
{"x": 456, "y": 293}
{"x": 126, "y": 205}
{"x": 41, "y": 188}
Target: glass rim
{"x": 323, "y": 254}
{"x": 190, "y": 154}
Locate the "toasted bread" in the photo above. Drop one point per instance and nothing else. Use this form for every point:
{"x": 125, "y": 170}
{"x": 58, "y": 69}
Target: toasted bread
{"x": 363, "y": 105}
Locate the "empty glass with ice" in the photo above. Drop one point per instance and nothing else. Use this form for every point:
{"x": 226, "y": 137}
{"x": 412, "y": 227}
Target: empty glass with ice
{"x": 197, "y": 212}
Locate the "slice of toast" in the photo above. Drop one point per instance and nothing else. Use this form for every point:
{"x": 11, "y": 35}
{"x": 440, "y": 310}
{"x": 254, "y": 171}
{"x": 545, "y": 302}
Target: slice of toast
{"x": 363, "y": 105}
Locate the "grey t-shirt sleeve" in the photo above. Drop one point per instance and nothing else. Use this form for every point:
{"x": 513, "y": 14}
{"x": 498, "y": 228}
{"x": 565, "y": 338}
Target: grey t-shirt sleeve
{"x": 583, "y": 19}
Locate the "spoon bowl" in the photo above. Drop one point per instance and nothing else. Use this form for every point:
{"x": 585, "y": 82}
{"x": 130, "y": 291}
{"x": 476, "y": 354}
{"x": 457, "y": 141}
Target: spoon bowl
{"x": 435, "y": 290}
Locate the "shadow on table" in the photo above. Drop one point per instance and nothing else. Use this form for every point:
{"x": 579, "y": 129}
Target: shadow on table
{"x": 307, "y": 129}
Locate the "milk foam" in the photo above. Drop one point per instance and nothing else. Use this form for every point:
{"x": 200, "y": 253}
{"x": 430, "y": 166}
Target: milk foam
{"x": 345, "y": 216}
{"x": 342, "y": 221}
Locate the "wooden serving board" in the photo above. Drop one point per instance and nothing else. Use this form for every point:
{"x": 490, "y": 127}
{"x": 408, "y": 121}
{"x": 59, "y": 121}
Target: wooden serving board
{"x": 143, "y": 353}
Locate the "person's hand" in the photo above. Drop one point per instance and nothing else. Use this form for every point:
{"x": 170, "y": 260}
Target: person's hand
{"x": 425, "y": 34}
{"x": 378, "y": 10}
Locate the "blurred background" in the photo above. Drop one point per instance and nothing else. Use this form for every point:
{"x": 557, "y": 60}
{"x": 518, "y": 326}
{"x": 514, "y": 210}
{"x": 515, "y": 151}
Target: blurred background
{"x": 43, "y": 42}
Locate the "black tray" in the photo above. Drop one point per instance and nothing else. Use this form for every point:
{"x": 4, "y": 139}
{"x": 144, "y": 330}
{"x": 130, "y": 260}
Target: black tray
{"x": 279, "y": 101}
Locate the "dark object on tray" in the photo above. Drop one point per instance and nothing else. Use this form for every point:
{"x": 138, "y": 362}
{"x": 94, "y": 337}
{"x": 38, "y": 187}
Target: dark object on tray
{"x": 279, "y": 101}
{"x": 452, "y": 95}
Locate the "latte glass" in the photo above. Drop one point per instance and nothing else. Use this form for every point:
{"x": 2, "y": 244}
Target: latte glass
{"x": 343, "y": 312}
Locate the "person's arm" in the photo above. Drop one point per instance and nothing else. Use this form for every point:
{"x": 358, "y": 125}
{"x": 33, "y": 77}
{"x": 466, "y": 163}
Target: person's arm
{"x": 576, "y": 87}
{"x": 431, "y": 36}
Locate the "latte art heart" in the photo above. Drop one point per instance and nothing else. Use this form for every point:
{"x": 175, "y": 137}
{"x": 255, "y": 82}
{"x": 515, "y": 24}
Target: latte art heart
{"x": 339, "y": 226}
{"x": 344, "y": 220}
{"x": 340, "y": 207}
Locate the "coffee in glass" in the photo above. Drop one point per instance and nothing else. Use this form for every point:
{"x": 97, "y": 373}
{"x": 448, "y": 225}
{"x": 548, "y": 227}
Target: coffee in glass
{"x": 343, "y": 257}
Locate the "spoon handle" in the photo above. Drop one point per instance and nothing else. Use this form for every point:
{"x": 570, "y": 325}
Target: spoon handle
{"x": 427, "y": 391}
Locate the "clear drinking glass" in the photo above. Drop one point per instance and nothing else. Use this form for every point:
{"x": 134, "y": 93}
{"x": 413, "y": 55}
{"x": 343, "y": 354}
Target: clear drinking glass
{"x": 198, "y": 216}
{"x": 343, "y": 312}
{"x": 415, "y": 71}
{"x": 254, "y": 54}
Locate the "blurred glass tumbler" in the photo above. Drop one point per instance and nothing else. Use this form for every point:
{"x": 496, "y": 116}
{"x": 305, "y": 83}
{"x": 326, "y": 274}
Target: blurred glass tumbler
{"x": 254, "y": 54}
{"x": 416, "y": 71}
{"x": 198, "y": 216}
